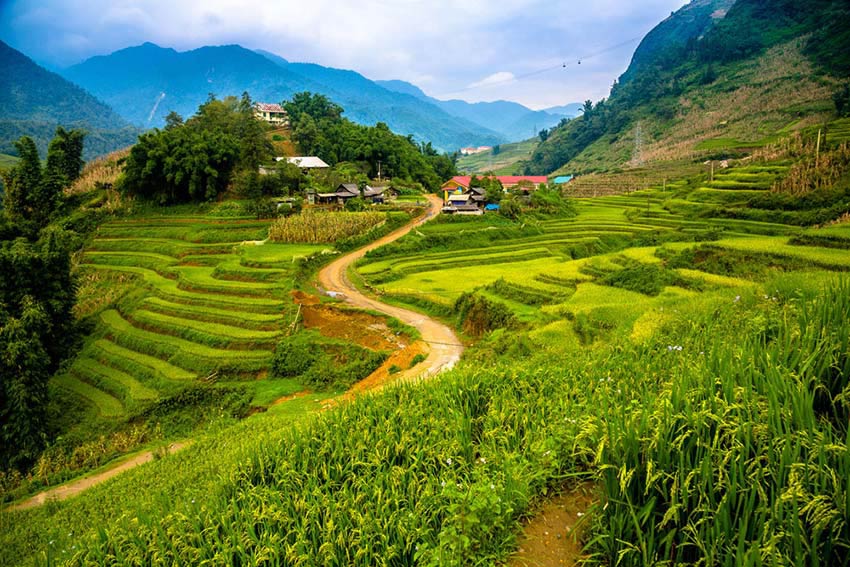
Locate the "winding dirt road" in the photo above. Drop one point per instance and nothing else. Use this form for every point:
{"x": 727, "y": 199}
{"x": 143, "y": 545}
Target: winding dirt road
{"x": 442, "y": 345}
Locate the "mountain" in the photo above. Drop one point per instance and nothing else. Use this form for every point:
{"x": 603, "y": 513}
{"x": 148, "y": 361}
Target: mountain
{"x": 667, "y": 38}
{"x": 146, "y": 82}
{"x": 569, "y": 110}
{"x": 368, "y": 102}
{"x": 717, "y": 78}
{"x": 33, "y": 101}
{"x": 510, "y": 119}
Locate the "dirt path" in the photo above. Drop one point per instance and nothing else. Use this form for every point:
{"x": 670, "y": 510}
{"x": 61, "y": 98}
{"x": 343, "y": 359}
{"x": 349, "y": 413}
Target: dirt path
{"x": 75, "y": 487}
{"x": 550, "y": 537}
{"x": 443, "y": 347}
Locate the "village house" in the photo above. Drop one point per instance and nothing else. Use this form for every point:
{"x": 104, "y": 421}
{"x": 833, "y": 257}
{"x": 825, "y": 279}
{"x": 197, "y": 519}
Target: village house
{"x": 470, "y": 202}
{"x": 473, "y": 150}
{"x": 345, "y": 192}
{"x": 271, "y": 113}
{"x": 462, "y": 182}
{"x": 306, "y": 163}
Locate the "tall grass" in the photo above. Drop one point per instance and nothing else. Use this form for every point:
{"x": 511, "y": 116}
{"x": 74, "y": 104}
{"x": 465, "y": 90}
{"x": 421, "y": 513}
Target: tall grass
{"x": 724, "y": 442}
{"x": 316, "y": 228}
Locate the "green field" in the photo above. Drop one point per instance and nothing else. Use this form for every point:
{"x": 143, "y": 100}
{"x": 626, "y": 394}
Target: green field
{"x": 7, "y": 161}
{"x": 506, "y": 162}
{"x": 681, "y": 346}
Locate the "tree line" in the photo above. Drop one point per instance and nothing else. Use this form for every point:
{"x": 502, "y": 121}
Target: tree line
{"x": 37, "y": 292}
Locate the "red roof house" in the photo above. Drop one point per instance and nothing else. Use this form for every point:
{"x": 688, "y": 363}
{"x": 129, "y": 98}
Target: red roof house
{"x": 508, "y": 181}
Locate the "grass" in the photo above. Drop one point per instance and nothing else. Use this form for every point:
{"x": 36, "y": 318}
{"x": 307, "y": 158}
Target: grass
{"x": 107, "y": 406}
{"x": 662, "y": 427}
{"x": 506, "y": 162}
{"x": 7, "y": 161}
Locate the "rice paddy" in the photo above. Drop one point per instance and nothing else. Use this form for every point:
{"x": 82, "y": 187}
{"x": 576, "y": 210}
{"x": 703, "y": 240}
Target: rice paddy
{"x": 197, "y": 306}
{"x": 620, "y": 365}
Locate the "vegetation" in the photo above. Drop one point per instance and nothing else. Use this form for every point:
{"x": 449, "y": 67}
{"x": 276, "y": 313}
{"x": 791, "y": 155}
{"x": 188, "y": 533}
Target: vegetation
{"x": 34, "y": 101}
{"x": 316, "y": 228}
{"x": 194, "y": 161}
{"x": 319, "y": 129}
{"x": 709, "y": 68}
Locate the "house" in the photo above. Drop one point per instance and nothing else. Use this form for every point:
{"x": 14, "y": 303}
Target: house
{"x": 473, "y": 150}
{"x": 305, "y": 162}
{"x": 462, "y": 182}
{"x": 471, "y": 202}
{"x": 271, "y": 113}
{"x": 346, "y": 191}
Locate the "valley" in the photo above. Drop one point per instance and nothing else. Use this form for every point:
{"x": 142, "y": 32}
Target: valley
{"x": 364, "y": 327}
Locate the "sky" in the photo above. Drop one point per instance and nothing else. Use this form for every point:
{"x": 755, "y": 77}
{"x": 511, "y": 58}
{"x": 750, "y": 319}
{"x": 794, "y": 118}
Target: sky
{"x": 527, "y": 51}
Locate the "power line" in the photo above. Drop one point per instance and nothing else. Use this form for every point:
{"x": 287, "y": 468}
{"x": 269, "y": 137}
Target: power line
{"x": 563, "y": 65}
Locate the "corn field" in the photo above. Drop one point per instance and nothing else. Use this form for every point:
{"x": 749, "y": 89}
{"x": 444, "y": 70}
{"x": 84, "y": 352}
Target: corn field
{"x": 315, "y": 228}
{"x": 105, "y": 169}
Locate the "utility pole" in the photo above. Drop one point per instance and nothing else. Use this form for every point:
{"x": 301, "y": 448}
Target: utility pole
{"x": 379, "y": 170}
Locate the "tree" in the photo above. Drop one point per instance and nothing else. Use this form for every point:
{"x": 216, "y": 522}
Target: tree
{"x": 316, "y": 105}
{"x": 842, "y": 101}
{"x": 543, "y": 135}
{"x": 173, "y": 120}
{"x": 510, "y": 207}
{"x": 37, "y": 332}
{"x": 65, "y": 155}
{"x": 306, "y": 134}
{"x": 497, "y": 149}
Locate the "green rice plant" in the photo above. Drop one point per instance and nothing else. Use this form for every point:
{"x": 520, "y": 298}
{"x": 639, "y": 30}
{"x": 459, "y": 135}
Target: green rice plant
{"x": 168, "y": 289}
{"x": 107, "y": 406}
{"x": 139, "y": 364}
{"x": 215, "y": 335}
{"x": 272, "y": 255}
{"x": 315, "y": 228}
{"x": 180, "y": 352}
{"x": 243, "y": 319}
{"x": 201, "y": 279}
{"x": 233, "y": 270}
{"x": 149, "y": 260}
{"x": 164, "y": 246}
{"x": 111, "y": 380}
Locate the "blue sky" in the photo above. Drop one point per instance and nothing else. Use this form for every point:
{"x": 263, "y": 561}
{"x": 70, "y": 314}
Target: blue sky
{"x": 473, "y": 50}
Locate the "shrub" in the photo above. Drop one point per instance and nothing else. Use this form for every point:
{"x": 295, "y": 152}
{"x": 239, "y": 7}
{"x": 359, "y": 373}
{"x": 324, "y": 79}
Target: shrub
{"x": 478, "y": 315}
{"x": 293, "y": 358}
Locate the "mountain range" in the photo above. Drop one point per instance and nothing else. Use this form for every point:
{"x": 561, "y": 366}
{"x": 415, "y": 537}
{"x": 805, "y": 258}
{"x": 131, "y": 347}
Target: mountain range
{"x": 145, "y": 82}
{"x": 33, "y": 101}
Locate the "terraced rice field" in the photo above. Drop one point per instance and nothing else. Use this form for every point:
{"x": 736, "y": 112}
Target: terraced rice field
{"x": 208, "y": 303}
{"x": 554, "y": 268}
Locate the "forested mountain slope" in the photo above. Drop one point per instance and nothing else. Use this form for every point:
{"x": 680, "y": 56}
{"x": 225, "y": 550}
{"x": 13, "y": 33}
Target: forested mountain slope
{"x": 33, "y": 101}
{"x": 703, "y": 86}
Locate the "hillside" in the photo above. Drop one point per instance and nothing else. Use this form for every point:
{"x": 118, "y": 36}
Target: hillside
{"x": 33, "y": 101}
{"x": 510, "y": 119}
{"x": 508, "y": 160}
{"x": 692, "y": 94}
{"x": 146, "y": 82}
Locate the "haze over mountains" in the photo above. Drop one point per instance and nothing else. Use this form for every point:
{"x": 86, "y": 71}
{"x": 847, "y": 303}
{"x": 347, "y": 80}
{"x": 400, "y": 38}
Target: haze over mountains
{"x": 145, "y": 82}
{"x": 112, "y": 96}
{"x": 33, "y": 101}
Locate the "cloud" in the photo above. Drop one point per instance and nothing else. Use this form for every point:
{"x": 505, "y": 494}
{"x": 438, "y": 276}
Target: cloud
{"x": 498, "y": 78}
{"x": 447, "y": 43}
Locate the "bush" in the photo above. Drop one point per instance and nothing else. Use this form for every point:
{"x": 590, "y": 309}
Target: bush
{"x": 293, "y": 358}
{"x": 477, "y": 315}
